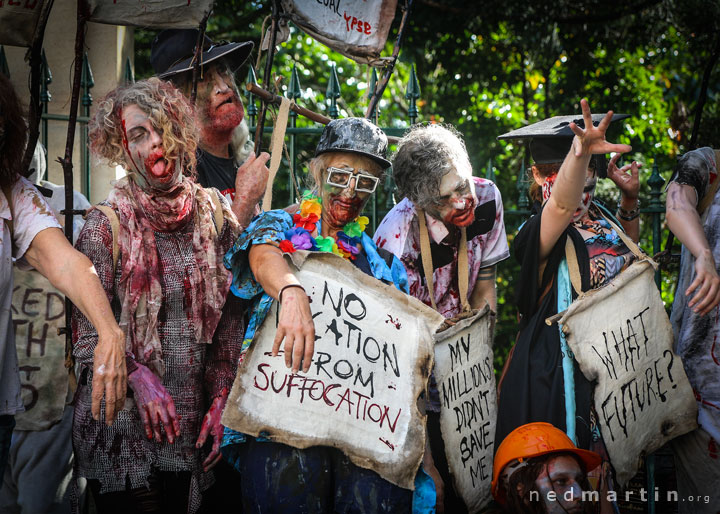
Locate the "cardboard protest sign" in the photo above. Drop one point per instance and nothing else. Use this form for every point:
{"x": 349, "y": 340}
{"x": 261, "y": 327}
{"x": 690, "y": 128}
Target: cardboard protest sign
{"x": 373, "y": 353}
{"x": 468, "y": 404}
{"x": 621, "y": 337}
{"x": 357, "y": 29}
{"x": 38, "y": 310}
{"x": 18, "y": 19}
{"x": 160, "y": 14}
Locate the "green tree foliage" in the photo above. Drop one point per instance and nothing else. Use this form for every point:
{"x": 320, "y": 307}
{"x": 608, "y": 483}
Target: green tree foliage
{"x": 490, "y": 67}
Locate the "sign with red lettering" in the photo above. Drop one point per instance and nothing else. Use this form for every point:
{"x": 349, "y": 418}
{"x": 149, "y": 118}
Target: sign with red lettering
{"x": 621, "y": 338}
{"x": 157, "y": 14}
{"x": 18, "y": 19}
{"x": 355, "y": 28}
{"x": 468, "y": 404}
{"x": 38, "y": 310}
{"x": 373, "y": 353}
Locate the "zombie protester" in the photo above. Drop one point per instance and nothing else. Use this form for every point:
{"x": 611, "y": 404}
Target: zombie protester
{"x": 693, "y": 211}
{"x": 459, "y": 213}
{"x": 32, "y": 238}
{"x": 158, "y": 242}
{"x": 348, "y": 165}
{"x": 39, "y": 466}
{"x": 224, "y": 143}
{"x": 538, "y": 469}
{"x": 532, "y": 386}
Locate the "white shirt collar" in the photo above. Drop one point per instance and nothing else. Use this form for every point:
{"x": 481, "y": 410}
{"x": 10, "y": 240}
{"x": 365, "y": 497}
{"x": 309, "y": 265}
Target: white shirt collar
{"x": 436, "y": 228}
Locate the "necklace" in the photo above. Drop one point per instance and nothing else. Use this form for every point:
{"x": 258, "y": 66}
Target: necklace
{"x": 345, "y": 243}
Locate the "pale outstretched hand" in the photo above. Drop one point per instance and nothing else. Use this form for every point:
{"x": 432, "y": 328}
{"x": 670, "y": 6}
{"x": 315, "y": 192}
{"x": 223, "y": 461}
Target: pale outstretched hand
{"x": 591, "y": 140}
{"x": 296, "y": 327}
{"x": 211, "y": 426}
{"x": 629, "y": 185}
{"x": 154, "y": 403}
{"x": 109, "y": 375}
{"x": 706, "y": 285}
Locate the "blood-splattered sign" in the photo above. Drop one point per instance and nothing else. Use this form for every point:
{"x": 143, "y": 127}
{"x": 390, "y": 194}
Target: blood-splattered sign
{"x": 150, "y": 13}
{"x": 468, "y": 404}
{"x": 355, "y": 28}
{"x": 373, "y": 353}
{"x": 38, "y": 310}
{"x": 18, "y": 19}
{"x": 621, "y": 337}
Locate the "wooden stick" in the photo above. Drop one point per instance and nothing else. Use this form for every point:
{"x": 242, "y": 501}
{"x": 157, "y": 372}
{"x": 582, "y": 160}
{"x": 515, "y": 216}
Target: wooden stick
{"x": 270, "y": 98}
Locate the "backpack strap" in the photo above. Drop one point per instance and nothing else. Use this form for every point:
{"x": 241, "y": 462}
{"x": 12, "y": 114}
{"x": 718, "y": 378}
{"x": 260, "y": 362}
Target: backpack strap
{"x": 115, "y": 229}
{"x": 218, "y": 214}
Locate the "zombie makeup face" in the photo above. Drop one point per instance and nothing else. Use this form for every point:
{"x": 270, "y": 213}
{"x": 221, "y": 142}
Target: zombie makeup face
{"x": 456, "y": 200}
{"x": 342, "y": 205}
{"x": 559, "y": 485}
{"x": 144, "y": 148}
{"x": 221, "y": 110}
{"x": 587, "y": 195}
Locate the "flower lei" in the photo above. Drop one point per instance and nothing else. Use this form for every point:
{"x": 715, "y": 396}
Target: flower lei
{"x": 344, "y": 244}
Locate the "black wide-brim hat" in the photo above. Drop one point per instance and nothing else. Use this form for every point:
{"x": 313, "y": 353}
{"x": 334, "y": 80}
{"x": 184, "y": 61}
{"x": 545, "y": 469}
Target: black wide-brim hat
{"x": 173, "y": 50}
{"x": 355, "y": 135}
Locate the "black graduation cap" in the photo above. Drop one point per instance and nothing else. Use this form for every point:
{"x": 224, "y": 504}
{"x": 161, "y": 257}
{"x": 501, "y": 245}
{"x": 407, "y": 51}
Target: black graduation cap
{"x": 550, "y": 139}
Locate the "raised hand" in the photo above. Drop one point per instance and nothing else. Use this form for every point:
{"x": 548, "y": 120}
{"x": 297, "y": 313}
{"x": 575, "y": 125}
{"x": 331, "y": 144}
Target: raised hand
{"x": 591, "y": 140}
{"x": 154, "y": 403}
{"x": 629, "y": 185}
{"x": 211, "y": 426}
{"x": 250, "y": 182}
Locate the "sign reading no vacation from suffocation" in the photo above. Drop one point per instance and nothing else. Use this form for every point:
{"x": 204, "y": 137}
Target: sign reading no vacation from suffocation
{"x": 466, "y": 383}
{"x": 621, "y": 337}
{"x": 373, "y": 352}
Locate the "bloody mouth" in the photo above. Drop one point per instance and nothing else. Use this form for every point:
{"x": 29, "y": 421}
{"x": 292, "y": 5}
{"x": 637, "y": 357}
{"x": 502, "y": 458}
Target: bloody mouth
{"x": 461, "y": 218}
{"x": 157, "y": 166}
{"x": 346, "y": 208}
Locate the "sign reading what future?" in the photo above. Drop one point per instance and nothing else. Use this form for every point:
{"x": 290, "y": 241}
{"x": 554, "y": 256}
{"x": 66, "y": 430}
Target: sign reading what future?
{"x": 621, "y": 337}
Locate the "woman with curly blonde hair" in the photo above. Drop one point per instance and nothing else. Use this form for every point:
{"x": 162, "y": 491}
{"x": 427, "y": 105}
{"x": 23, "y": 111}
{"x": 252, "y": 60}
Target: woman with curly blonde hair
{"x": 157, "y": 242}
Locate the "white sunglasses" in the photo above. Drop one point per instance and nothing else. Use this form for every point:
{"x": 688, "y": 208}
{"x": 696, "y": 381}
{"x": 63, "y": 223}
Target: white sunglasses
{"x": 340, "y": 177}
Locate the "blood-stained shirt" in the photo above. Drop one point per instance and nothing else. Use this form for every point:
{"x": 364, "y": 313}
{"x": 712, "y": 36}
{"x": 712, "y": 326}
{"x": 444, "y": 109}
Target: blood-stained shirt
{"x": 399, "y": 233}
{"x": 30, "y": 214}
{"x": 697, "y": 338}
{"x": 195, "y": 373}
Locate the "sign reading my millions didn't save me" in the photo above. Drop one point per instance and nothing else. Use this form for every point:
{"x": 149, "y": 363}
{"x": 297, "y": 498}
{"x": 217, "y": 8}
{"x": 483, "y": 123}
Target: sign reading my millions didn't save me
{"x": 373, "y": 353}
{"x": 468, "y": 404}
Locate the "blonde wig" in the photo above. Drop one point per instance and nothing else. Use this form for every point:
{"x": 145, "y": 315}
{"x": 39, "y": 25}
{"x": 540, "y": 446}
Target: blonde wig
{"x": 171, "y": 115}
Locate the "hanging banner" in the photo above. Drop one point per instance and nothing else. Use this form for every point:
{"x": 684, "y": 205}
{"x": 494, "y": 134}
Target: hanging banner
{"x": 468, "y": 404}
{"x": 38, "y": 310}
{"x": 357, "y": 29}
{"x": 18, "y": 19}
{"x": 621, "y": 337}
{"x": 158, "y": 14}
{"x": 373, "y": 355}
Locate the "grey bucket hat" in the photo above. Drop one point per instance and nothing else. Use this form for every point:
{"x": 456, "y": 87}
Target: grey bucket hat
{"x": 354, "y": 135}
{"x": 172, "y": 52}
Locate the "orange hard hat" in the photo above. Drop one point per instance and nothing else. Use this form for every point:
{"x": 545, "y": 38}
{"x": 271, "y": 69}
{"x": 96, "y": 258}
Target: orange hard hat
{"x": 534, "y": 440}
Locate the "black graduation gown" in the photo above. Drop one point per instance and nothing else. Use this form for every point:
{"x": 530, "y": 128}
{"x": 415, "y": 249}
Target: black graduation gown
{"x": 533, "y": 386}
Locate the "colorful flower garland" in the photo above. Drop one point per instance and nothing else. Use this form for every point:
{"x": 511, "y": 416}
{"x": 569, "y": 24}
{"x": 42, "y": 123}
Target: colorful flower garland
{"x": 345, "y": 243}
